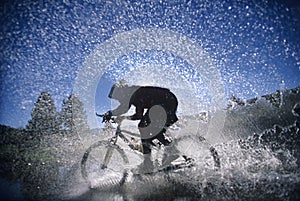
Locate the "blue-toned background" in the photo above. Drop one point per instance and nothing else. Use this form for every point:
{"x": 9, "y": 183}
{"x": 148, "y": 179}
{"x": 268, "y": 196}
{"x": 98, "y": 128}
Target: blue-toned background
{"x": 43, "y": 44}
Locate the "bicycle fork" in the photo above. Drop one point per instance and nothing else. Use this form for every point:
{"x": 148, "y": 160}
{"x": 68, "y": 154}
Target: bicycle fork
{"x": 107, "y": 157}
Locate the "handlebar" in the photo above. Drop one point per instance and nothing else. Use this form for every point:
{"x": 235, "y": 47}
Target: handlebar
{"x": 116, "y": 119}
{"x": 99, "y": 115}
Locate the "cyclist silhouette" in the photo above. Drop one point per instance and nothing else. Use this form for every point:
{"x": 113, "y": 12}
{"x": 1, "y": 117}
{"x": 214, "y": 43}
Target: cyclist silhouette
{"x": 155, "y": 107}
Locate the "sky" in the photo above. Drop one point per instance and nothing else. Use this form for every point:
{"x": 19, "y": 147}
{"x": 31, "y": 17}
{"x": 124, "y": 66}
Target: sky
{"x": 46, "y": 45}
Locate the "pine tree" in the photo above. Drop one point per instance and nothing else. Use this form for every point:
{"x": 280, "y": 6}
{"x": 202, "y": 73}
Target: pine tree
{"x": 72, "y": 116}
{"x": 44, "y": 115}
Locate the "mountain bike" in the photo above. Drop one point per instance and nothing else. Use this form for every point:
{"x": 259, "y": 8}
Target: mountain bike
{"x": 106, "y": 163}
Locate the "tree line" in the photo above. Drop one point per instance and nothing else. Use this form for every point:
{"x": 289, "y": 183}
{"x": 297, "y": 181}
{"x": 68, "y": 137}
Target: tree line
{"x": 45, "y": 117}
{"x": 51, "y": 140}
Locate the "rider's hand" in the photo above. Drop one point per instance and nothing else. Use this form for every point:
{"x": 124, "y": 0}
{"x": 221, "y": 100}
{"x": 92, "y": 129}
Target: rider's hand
{"x": 107, "y": 117}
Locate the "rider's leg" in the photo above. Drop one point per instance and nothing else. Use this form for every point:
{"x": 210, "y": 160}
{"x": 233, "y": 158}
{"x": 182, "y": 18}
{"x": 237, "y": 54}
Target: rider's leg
{"x": 171, "y": 119}
{"x": 171, "y": 153}
{"x": 146, "y": 143}
{"x": 146, "y": 146}
{"x": 147, "y": 165}
{"x": 161, "y": 136}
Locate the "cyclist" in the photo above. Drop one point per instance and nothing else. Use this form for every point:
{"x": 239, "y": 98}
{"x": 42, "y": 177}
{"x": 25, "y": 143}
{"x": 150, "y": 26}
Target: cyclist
{"x": 155, "y": 107}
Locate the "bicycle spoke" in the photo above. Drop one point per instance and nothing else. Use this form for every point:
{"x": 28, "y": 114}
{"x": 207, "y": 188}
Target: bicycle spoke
{"x": 103, "y": 165}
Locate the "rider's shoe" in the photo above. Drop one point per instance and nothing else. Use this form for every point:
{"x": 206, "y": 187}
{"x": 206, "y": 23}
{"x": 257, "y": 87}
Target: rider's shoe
{"x": 146, "y": 166}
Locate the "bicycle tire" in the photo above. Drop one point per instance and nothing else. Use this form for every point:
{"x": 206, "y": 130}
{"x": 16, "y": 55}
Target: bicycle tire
{"x": 104, "y": 165}
{"x": 213, "y": 152}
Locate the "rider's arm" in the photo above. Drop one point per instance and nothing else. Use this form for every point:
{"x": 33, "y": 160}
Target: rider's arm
{"x": 121, "y": 109}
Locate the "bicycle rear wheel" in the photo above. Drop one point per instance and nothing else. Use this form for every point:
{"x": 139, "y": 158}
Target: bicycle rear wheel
{"x": 104, "y": 165}
{"x": 197, "y": 146}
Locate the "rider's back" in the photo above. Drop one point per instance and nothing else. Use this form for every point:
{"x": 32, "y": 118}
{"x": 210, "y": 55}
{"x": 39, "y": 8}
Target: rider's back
{"x": 148, "y": 96}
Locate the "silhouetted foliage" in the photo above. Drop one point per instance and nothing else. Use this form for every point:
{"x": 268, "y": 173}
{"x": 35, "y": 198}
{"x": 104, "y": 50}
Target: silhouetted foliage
{"x": 72, "y": 116}
{"x": 234, "y": 101}
{"x": 44, "y": 115}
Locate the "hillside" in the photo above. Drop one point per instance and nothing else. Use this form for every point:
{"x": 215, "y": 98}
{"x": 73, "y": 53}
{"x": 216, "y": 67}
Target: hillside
{"x": 256, "y": 115}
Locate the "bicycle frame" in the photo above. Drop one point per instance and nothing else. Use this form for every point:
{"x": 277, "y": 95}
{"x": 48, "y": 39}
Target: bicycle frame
{"x": 119, "y": 133}
{"x": 111, "y": 146}
{"x": 114, "y": 140}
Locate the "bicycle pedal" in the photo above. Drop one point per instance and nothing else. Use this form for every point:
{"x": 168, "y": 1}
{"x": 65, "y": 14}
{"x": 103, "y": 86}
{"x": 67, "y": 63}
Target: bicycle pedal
{"x": 187, "y": 158}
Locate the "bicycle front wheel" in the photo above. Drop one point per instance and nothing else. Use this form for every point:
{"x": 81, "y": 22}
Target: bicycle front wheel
{"x": 104, "y": 165}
